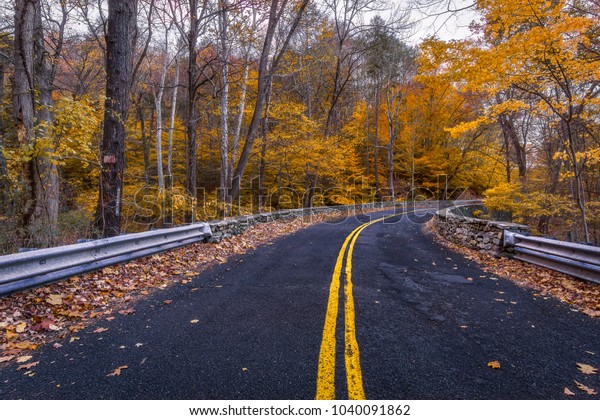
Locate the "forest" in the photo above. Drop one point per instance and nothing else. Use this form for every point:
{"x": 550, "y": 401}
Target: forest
{"x": 124, "y": 115}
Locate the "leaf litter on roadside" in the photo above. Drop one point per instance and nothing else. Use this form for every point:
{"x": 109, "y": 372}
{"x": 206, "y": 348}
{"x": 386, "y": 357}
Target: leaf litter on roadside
{"x": 584, "y": 296}
{"x": 55, "y": 311}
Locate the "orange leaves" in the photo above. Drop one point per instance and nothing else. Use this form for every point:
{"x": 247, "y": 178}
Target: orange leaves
{"x": 128, "y": 311}
{"x": 28, "y": 366}
{"x": 494, "y": 364}
{"x": 100, "y": 330}
{"x": 117, "y": 371}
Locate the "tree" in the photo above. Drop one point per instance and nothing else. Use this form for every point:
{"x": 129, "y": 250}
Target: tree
{"x": 121, "y": 24}
{"x": 390, "y": 66}
{"x": 266, "y": 70}
{"x": 32, "y": 104}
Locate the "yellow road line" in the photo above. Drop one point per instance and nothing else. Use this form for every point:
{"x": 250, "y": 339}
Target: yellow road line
{"x": 326, "y": 369}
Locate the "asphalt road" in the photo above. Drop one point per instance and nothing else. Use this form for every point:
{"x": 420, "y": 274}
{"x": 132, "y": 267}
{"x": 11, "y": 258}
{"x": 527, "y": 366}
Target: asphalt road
{"x": 425, "y": 321}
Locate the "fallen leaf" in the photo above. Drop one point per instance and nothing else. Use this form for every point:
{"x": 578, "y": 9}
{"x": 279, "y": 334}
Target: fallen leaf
{"x": 24, "y": 345}
{"x": 45, "y": 325}
{"x": 54, "y": 300}
{"x": 494, "y": 364}
{"x": 6, "y": 359}
{"x": 568, "y": 392}
{"x": 21, "y": 327}
{"x": 73, "y": 339}
{"x": 584, "y": 388}
{"x": 128, "y": 311}
{"x": 139, "y": 344}
{"x": 100, "y": 330}
{"x": 118, "y": 370}
{"x": 587, "y": 369}
{"x": 28, "y": 366}
{"x": 57, "y": 345}
{"x": 194, "y": 321}
{"x": 167, "y": 302}
{"x": 10, "y": 335}
{"x": 24, "y": 359}
{"x": 244, "y": 369}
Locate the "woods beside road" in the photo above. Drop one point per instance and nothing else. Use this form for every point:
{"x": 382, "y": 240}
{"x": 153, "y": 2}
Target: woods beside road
{"x": 120, "y": 116}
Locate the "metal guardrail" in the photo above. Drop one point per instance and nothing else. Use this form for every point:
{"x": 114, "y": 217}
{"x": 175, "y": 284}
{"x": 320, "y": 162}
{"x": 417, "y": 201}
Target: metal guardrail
{"x": 38, "y": 267}
{"x": 35, "y": 268}
{"x": 581, "y": 261}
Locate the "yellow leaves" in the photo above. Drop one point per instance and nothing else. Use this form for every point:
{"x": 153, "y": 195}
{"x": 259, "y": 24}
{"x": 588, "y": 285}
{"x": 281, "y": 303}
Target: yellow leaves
{"x": 24, "y": 359}
{"x": 54, "y": 300}
{"x": 494, "y": 364}
{"x": 464, "y": 127}
{"x": 587, "y": 369}
{"x": 10, "y": 335}
{"x": 509, "y": 197}
{"x": 568, "y": 392}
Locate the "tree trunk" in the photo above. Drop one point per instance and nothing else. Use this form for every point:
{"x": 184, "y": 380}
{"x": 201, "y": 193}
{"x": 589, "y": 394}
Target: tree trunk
{"x": 224, "y": 107}
{"x": 191, "y": 155}
{"x": 266, "y": 70}
{"x": 264, "y": 128}
{"x": 4, "y": 198}
{"x": 121, "y": 20}
{"x": 335, "y": 95}
{"x": 578, "y": 188}
{"x": 139, "y": 107}
{"x": 509, "y": 132}
{"x": 235, "y": 142}
{"x": 158, "y": 95}
{"x": 32, "y": 100}
{"x": 47, "y": 184}
{"x": 172, "y": 123}
{"x": 376, "y": 145}
{"x": 390, "y": 161}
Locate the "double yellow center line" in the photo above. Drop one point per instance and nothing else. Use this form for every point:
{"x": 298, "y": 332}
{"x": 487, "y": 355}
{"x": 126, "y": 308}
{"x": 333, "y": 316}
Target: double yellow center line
{"x": 326, "y": 373}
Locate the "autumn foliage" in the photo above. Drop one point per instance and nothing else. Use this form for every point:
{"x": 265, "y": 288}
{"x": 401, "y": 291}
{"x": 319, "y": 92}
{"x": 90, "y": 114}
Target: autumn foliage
{"x": 349, "y": 112}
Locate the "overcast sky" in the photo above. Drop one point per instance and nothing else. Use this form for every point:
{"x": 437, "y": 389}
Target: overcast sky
{"x": 445, "y": 26}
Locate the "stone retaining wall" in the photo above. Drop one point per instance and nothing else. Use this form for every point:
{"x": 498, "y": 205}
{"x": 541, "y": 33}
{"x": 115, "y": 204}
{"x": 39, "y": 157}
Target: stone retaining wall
{"x": 483, "y": 235}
